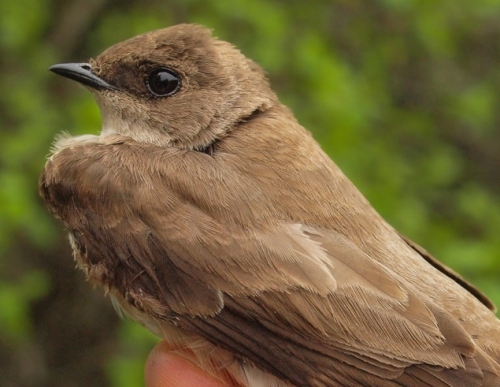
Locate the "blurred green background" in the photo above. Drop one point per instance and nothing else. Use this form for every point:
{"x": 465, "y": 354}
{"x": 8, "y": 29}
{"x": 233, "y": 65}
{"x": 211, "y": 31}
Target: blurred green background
{"x": 404, "y": 96}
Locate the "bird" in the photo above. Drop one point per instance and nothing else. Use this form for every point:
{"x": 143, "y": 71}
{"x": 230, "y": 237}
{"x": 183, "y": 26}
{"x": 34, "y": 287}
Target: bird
{"x": 210, "y": 216}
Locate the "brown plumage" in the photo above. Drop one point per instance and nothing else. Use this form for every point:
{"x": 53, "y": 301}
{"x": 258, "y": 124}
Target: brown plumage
{"x": 213, "y": 218}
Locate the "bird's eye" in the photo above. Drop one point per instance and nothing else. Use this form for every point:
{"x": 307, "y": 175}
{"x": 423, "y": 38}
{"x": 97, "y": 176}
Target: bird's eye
{"x": 163, "y": 82}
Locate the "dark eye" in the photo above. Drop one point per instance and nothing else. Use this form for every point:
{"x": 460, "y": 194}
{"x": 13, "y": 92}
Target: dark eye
{"x": 163, "y": 82}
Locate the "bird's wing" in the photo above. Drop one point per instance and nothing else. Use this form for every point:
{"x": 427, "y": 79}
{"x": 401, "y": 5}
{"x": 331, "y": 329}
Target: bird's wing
{"x": 303, "y": 303}
{"x": 451, "y": 273}
{"x": 370, "y": 330}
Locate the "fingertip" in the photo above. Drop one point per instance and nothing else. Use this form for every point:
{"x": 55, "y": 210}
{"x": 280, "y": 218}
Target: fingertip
{"x": 165, "y": 368}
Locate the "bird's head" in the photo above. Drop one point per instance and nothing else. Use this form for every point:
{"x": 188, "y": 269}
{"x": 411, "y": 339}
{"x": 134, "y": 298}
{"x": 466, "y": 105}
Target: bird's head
{"x": 176, "y": 86}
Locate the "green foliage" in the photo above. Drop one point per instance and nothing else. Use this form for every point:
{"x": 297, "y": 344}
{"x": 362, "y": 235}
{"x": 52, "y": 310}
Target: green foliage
{"x": 403, "y": 95}
{"x": 124, "y": 369}
{"x": 15, "y": 322}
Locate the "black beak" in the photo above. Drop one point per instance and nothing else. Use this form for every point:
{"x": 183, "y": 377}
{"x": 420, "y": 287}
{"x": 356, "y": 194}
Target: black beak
{"x": 82, "y": 73}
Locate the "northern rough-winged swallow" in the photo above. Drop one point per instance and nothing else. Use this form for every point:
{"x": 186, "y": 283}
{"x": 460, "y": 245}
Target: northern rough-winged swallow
{"x": 215, "y": 220}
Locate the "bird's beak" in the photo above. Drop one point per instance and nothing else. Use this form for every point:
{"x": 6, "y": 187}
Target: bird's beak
{"x": 82, "y": 73}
